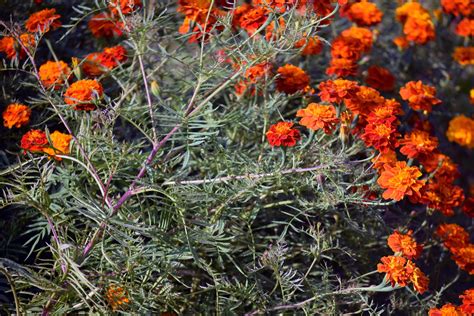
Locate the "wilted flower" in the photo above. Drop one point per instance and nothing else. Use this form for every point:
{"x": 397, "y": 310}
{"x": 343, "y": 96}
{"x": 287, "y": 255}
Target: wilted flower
{"x": 380, "y": 78}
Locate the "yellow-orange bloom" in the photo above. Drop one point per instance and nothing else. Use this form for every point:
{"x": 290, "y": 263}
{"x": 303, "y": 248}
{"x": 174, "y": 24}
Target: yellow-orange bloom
{"x": 464, "y": 55}
{"x": 318, "y": 116}
{"x": 337, "y": 90}
{"x": 59, "y": 144}
{"x": 419, "y": 280}
{"x": 116, "y": 297}
{"x": 53, "y": 74}
{"x": 446, "y": 310}
{"x": 471, "y": 96}
{"x": 83, "y": 93}
{"x": 457, "y": 7}
{"x": 16, "y": 115}
{"x": 405, "y": 244}
{"x": 43, "y": 21}
{"x": 400, "y": 180}
{"x": 401, "y": 42}
{"x": 461, "y": 131}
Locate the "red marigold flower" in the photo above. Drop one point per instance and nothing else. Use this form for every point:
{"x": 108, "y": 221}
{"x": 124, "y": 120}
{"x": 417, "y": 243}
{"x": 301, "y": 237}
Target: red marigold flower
{"x": 417, "y": 143}
{"x": 7, "y": 46}
{"x": 111, "y": 57}
{"x": 405, "y": 244}
{"x": 464, "y": 55}
{"x": 401, "y": 180}
{"x": 419, "y": 96}
{"x": 382, "y": 135}
{"x": 453, "y": 236}
{"x": 317, "y": 116}
{"x": 446, "y": 310}
{"x": 365, "y": 100}
{"x": 103, "y": 25}
{"x": 59, "y": 144}
{"x": 467, "y": 301}
{"x": 395, "y": 269}
{"x": 336, "y": 91}
{"x": 347, "y": 48}
{"x": 43, "y": 21}
{"x": 53, "y": 74}
{"x": 34, "y": 140}
{"x": 457, "y": 7}
{"x": 461, "y": 131}
{"x": 465, "y": 27}
{"x": 82, "y": 93}
{"x": 342, "y": 67}
{"x": 310, "y": 46}
{"x": 419, "y": 280}
{"x": 16, "y": 115}
{"x": 292, "y": 79}
{"x": 283, "y": 134}
{"x": 380, "y": 78}
{"x": 364, "y": 13}
{"x": 124, "y": 6}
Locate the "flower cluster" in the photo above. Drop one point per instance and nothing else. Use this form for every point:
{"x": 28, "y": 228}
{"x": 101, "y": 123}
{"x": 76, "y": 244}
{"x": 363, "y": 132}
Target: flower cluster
{"x": 417, "y": 24}
{"x": 37, "y": 141}
{"x": 456, "y": 239}
{"x": 399, "y": 268}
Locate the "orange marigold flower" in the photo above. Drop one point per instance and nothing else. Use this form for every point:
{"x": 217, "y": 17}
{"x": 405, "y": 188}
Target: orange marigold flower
{"x": 400, "y": 180}
{"x": 59, "y": 144}
{"x": 471, "y": 96}
{"x": 364, "y": 100}
{"x": 292, "y": 79}
{"x": 395, "y": 269}
{"x": 7, "y": 46}
{"x": 346, "y": 48}
{"x": 43, "y": 21}
{"x": 380, "y": 78}
{"x": 419, "y": 96}
{"x": 83, "y": 93}
{"x": 467, "y": 305}
{"x": 34, "y": 140}
{"x": 279, "y": 6}
{"x": 461, "y": 131}
{"x": 453, "y": 236}
{"x": 310, "y": 46}
{"x": 384, "y": 111}
{"x": 419, "y": 280}
{"x": 404, "y": 11}
{"x": 317, "y": 116}
{"x": 464, "y": 55}
{"x": 258, "y": 72}
{"x": 336, "y": 91}
{"x": 363, "y": 34}
{"x": 405, "y": 244}
{"x": 465, "y": 27}
{"x": 419, "y": 28}
{"x": 457, "y": 7}
{"x": 364, "y": 13}
{"x": 389, "y": 157}
{"x": 401, "y": 42}
{"x": 92, "y": 65}
{"x": 418, "y": 142}
{"x": 342, "y": 67}
{"x": 116, "y": 296}
{"x": 382, "y": 135}
{"x": 283, "y": 134}
{"x": 446, "y": 310}
{"x": 442, "y": 196}
{"x": 111, "y": 57}
{"x": 16, "y": 115}
{"x": 103, "y": 25}
{"x": 53, "y": 74}
{"x": 464, "y": 258}
{"x": 124, "y": 6}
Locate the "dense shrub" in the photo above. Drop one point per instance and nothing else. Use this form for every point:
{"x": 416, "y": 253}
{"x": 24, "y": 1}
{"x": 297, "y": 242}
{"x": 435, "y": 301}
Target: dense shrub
{"x": 237, "y": 157}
